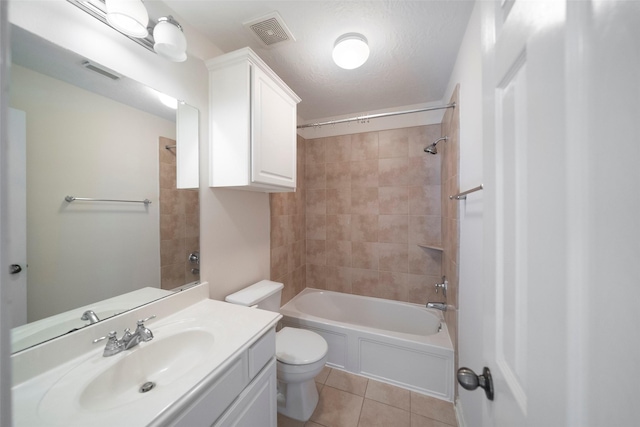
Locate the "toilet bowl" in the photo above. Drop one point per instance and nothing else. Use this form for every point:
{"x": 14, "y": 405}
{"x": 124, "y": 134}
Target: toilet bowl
{"x": 301, "y": 354}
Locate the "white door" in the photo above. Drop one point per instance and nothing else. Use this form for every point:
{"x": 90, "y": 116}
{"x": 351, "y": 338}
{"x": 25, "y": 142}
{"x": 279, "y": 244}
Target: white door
{"x": 523, "y": 86}
{"x": 17, "y": 215}
{"x": 561, "y": 85}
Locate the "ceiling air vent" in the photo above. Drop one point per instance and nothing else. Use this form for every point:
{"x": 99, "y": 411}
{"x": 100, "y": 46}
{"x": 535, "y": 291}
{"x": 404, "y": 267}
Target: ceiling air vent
{"x": 270, "y": 29}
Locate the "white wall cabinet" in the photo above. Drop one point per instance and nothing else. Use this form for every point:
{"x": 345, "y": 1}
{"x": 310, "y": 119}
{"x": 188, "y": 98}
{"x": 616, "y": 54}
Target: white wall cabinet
{"x": 253, "y": 125}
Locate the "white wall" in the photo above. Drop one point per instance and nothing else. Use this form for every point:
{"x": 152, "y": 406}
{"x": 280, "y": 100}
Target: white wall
{"x": 86, "y": 145}
{"x": 468, "y": 73}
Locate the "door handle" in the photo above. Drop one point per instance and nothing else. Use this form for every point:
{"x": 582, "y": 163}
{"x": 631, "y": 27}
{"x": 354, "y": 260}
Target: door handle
{"x": 15, "y": 269}
{"x": 470, "y": 381}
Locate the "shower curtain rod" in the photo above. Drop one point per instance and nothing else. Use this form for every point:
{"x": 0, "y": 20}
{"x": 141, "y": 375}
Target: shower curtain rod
{"x": 377, "y": 116}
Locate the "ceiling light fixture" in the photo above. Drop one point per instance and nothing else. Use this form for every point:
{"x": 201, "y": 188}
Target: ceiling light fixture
{"x": 350, "y": 51}
{"x": 128, "y": 16}
{"x": 170, "y": 42}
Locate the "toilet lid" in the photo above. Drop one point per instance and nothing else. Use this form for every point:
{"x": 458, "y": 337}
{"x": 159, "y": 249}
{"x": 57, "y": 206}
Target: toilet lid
{"x": 299, "y": 346}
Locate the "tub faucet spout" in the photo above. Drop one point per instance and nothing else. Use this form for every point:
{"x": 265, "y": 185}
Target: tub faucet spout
{"x": 442, "y": 306}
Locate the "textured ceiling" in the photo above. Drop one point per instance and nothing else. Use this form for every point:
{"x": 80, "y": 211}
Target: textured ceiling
{"x": 413, "y": 48}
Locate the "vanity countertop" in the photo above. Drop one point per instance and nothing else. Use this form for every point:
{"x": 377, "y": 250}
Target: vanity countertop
{"x": 190, "y": 350}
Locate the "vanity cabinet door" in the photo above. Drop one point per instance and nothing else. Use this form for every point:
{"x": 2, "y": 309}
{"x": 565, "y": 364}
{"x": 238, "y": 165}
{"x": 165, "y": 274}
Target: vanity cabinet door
{"x": 257, "y": 404}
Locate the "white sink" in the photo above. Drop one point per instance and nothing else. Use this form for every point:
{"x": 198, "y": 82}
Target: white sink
{"x": 191, "y": 348}
{"x": 161, "y": 361}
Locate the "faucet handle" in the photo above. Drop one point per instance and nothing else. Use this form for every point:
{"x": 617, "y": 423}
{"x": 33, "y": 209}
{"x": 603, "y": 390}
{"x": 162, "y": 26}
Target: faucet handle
{"x": 141, "y": 321}
{"x": 113, "y": 346}
{"x": 442, "y": 286}
{"x": 111, "y": 335}
{"x": 144, "y": 332}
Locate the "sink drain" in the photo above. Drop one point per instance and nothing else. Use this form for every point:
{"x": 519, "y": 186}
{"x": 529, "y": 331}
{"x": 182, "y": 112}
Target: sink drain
{"x": 148, "y": 386}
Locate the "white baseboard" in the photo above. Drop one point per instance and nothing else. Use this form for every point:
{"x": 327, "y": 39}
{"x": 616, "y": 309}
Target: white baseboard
{"x": 459, "y": 414}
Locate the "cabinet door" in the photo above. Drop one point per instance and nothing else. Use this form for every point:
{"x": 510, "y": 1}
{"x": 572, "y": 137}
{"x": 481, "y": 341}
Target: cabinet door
{"x": 257, "y": 404}
{"x": 273, "y": 145}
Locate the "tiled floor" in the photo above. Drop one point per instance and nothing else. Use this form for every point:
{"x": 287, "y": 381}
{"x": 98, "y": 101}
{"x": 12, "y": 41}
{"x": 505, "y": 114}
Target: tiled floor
{"x": 348, "y": 400}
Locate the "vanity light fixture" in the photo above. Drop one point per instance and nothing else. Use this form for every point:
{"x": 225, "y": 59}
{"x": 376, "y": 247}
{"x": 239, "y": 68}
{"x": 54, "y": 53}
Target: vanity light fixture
{"x": 128, "y": 16}
{"x": 350, "y": 51}
{"x": 170, "y": 42}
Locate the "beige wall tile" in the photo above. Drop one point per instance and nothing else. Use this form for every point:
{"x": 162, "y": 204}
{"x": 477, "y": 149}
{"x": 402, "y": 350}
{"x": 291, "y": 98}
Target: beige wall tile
{"x": 425, "y": 200}
{"x": 338, "y": 175}
{"x": 316, "y": 253}
{"x": 393, "y": 257}
{"x": 391, "y": 286}
{"x": 425, "y": 229}
{"x": 316, "y": 276}
{"x": 393, "y": 172}
{"x": 364, "y": 173}
{"x": 424, "y": 170}
{"x": 279, "y": 261}
{"x": 393, "y": 228}
{"x": 338, "y": 149}
{"x": 364, "y": 201}
{"x": 316, "y": 227}
{"x": 393, "y": 200}
{"x": 424, "y": 261}
{"x": 393, "y": 143}
{"x": 338, "y": 227}
{"x": 364, "y": 146}
{"x": 315, "y": 176}
{"x": 364, "y": 228}
{"x": 338, "y": 253}
{"x": 339, "y": 200}
{"x": 316, "y": 201}
{"x": 338, "y": 279}
{"x": 421, "y": 289}
{"x": 315, "y": 150}
{"x": 364, "y": 282}
{"x": 364, "y": 255}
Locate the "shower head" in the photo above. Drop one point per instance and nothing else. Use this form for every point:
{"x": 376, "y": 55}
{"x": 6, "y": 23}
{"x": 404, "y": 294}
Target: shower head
{"x": 432, "y": 148}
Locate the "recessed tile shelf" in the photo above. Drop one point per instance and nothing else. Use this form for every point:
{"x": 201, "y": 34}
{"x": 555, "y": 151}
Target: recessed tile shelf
{"x": 437, "y": 248}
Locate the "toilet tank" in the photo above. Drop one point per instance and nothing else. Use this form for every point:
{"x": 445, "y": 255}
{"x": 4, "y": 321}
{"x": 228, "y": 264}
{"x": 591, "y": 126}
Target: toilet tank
{"x": 265, "y": 294}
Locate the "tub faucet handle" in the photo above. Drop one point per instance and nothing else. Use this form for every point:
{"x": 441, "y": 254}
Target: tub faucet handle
{"x": 442, "y": 286}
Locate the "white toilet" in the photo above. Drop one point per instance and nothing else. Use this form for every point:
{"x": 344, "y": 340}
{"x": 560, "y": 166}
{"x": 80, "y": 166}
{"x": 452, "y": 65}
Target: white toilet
{"x": 300, "y": 354}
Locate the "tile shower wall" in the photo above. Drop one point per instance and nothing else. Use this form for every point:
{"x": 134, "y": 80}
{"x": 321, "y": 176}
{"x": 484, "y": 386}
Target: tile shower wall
{"x": 450, "y": 225}
{"x": 179, "y": 223}
{"x": 370, "y": 199}
{"x": 288, "y": 249}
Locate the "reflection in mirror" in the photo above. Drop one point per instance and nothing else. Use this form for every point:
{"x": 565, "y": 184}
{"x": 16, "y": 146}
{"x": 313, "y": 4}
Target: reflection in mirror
{"x": 100, "y": 257}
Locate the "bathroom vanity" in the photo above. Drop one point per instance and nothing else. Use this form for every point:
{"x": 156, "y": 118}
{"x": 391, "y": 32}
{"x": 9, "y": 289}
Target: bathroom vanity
{"x": 209, "y": 363}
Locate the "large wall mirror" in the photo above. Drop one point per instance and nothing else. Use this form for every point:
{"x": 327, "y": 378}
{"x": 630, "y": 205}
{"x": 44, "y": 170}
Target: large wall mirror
{"x": 87, "y": 148}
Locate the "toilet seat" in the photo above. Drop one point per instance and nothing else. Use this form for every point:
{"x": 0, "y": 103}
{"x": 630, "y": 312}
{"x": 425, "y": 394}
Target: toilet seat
{"x": 299, "y": 346}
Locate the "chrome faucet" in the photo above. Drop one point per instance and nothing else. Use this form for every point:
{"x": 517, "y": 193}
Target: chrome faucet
{"x": 437, "y": 305}
{"x": 128, "y": 340}
{"x": 91, "y": 316}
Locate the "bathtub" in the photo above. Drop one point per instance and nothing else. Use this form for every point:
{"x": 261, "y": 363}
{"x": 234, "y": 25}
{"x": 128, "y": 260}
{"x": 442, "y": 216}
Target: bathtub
{"x": 399, "y": 343}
